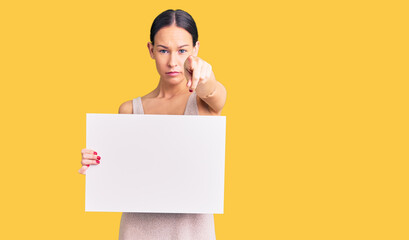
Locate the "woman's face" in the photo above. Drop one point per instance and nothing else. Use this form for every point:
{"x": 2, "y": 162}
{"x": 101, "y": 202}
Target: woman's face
{"x": 172, "y": 46}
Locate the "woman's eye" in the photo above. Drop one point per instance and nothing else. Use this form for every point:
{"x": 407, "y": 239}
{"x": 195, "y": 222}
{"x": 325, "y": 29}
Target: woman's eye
{"x": 162, "y": 51}
{"x": 182, "y": 50}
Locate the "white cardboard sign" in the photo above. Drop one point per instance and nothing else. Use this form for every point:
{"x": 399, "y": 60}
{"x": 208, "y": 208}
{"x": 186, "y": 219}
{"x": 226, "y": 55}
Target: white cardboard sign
{"x": 156, "y": 163}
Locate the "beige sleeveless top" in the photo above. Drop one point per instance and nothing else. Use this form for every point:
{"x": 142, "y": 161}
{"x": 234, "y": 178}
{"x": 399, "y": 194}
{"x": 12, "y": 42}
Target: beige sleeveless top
{"x": 167, "y": 225}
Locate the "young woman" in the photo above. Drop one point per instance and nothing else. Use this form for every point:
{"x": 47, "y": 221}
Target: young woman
{"x": 187, "y": 86}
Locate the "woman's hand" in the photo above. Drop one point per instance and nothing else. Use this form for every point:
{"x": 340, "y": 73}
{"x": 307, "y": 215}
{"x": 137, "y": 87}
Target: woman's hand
{"x": 199, "y": 76}
{"x": 89, "y": 157}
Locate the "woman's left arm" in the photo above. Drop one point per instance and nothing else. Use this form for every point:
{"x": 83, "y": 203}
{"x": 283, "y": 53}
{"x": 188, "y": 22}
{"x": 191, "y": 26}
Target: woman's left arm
{"x": 200, "y": 77}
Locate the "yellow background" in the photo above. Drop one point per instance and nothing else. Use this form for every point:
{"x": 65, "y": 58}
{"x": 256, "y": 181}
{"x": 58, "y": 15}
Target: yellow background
{"x": 317, "y": 112}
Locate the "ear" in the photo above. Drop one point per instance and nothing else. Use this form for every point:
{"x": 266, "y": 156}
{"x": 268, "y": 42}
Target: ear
{"x": 150, "y": 48}
{"x": 196, "y": 49}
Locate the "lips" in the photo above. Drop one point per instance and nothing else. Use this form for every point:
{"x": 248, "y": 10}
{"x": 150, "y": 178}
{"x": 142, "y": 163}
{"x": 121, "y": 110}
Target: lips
{"x": 173, "y": 74}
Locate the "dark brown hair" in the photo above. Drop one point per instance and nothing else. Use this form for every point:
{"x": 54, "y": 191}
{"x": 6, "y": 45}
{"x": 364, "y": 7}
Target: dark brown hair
{"x": 180, "y": 17}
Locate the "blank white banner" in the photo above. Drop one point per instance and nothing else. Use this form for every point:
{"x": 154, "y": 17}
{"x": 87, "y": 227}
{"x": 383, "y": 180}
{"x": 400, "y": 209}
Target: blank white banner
{"x": 156, "y": 163}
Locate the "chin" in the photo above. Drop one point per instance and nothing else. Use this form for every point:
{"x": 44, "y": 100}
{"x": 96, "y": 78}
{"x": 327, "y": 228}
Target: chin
{"x": 173, "y": 81}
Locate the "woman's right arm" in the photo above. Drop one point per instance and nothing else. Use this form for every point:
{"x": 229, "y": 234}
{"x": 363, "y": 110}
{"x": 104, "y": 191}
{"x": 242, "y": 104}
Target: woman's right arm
{"x": 89, "y": 156}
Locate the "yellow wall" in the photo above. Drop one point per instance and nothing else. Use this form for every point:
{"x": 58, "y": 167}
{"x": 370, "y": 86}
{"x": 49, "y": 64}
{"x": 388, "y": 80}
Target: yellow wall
{"x": 317, "y": 112}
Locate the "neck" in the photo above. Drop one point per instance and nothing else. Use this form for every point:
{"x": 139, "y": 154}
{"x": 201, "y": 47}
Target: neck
{"x": 167, "y": 90}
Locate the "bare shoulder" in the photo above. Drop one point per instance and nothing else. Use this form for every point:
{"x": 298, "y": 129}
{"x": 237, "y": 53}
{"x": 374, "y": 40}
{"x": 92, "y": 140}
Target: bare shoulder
{"x": 126, "y": 107}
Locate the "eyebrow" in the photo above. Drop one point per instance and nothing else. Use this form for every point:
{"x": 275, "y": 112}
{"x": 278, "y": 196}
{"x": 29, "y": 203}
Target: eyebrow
{"x": 168, "y": 48}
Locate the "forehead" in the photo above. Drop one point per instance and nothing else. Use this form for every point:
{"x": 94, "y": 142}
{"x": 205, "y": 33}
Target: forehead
{"x": 173, "y": 36}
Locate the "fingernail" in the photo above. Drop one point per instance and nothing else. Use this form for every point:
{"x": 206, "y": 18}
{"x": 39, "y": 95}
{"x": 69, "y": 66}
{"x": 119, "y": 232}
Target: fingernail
{"x": 190, "y": 90}
{"x": 98, "y": 157}
{"x": 88, "y": 165}
{"x": 95, "y": 153}
{"x": 98, "y": 161}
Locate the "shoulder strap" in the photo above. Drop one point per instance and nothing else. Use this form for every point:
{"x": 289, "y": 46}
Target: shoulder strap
{"x": 191, "y": 106}
{"x": 137, "y": 106}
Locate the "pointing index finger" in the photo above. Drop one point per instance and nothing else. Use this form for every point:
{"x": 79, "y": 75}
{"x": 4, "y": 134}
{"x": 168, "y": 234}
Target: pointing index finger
{"x": 189, "y": 64}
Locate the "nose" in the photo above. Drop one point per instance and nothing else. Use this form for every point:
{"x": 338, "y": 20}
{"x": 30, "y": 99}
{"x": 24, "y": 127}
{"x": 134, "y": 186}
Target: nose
{"x": 172, "y": 60}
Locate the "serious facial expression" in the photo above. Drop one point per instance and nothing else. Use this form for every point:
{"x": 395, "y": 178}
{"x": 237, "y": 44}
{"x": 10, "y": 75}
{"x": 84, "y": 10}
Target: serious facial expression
{"x": 172, "y": 46}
